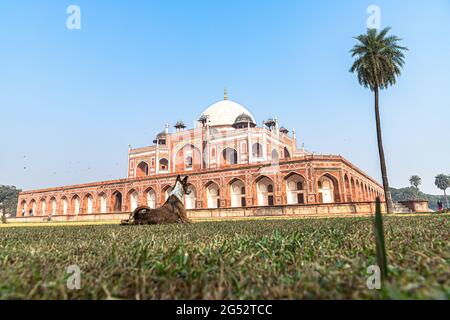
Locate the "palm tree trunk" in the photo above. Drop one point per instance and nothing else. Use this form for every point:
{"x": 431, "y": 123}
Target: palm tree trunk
{"x": 387, "y": 191}
{"x": 446, "y": 199}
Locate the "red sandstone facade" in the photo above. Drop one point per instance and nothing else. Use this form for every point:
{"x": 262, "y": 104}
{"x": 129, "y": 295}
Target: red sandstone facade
{"x": 231, "y": 163}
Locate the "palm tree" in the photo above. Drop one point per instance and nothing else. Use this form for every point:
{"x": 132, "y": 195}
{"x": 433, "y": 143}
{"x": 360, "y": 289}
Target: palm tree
{"x": 442, "y": 182}
{"x": 415, "y": 181}
{"x": 378, "y": 62}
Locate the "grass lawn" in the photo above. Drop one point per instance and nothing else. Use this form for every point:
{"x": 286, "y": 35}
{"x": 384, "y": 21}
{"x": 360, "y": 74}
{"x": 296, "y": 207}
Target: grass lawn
{"x": 243, "y": 259}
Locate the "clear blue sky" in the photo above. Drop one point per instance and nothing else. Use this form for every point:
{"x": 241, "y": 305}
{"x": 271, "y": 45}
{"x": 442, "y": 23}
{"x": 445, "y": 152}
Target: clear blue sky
{"x": 72, "y": 100}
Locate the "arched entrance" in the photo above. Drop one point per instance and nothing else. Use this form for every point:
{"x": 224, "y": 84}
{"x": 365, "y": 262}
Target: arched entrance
{"x": 88, "y": 204}
{"x": 264, "y": 191}
{"x": 237, "y": 191}
{"x": 213, "y": 195}
{"x": 117, "y": 201}
{"x": 295, "y": 189}
{"x": 53, "y": 206}
{"x": 43, "y": 207}
{"x": 150, "y": 195}
{"x": 163, "y": 165}
{"x": 189, "y": 199}
{"x": 257, "y": 150}
{"x": 142, "y": 169}
{"x": 32, "y": 210}
{"x": 328, "y": 189}
{"x": 23, "y": 208}
{"x": 229, "y": 156}
{"x": 102, "y": 199}
{"x": 133, "y": 200}
{"x": 76, "y": 205}
{"x": 65, "y": 205}
{"x": 166, "y": 192}
{"x": 275, "y": 158}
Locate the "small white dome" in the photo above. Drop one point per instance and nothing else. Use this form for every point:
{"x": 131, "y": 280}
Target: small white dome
{"x": 224, "y": 113}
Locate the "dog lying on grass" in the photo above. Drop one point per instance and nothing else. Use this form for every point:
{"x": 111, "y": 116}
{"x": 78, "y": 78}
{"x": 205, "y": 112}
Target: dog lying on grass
{"x": 173, "y": 210}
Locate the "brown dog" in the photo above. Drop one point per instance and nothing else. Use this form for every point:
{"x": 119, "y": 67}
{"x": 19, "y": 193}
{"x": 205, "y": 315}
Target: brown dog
{"x": 172, "y": 211}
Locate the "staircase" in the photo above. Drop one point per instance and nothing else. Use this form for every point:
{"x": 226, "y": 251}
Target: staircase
{"x": 400, "y": 208}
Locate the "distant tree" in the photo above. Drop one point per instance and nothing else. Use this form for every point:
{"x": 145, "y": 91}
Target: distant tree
{"x": 378, "y": 62}
{"x": 415, "y": 181}
{"x": 443, "y": 182}
{"x": 9, "y": 196}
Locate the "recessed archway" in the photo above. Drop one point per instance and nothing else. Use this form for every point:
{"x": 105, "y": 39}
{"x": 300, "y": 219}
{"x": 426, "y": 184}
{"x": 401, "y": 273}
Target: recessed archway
{"x": 102, "y": 206}
{"x": 53, "y": 206}
{"x": 132, "y": 200}
{"x": 32, "y": 209}
{"x": 23, "y": 208}
{"x": 88, "y": 204}
{"x": 265, "y": 191}
{"x": 213, "y": 195}
{"x": 328, "y": 189}
{"x": 75, "y": 204}
{"x": 150, "y": 196}
{"x": 166, "y": 192}
{"x": 163, "y": 164}
{"x": 190, "y": 199}
{"x": 42, "y": 207}
{"x": 275, "y": 158}
{"x": 229, "y": 156}
{"x": 237, "y": 192}
{"x": 65, "y": 205}
{"x": 257, "y": 150}
{"x": 187, "y": 158}
{"x": 295, "y": 189}
{"x": 116, "y": 201}
{"x": 142, "y": 169}
{"x": 287, "y": 154}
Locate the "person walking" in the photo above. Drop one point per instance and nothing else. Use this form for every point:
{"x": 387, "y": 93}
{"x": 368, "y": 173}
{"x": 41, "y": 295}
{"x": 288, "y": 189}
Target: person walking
{"x": 440, "y": 206}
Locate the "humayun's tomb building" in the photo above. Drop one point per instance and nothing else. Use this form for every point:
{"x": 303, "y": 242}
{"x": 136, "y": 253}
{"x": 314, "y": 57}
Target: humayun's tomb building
{"x": 235, "y": 168}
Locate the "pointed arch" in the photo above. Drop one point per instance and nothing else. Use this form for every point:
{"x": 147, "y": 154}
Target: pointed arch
{"x": 75, "y": 204}
{"x": 150, "y": 197}
{"x": 165, "y": 192}
{"x": 295, "y": 184}
{"x": 286, "y": 152}
{"x": 237, "y": 193}
{"x": 23, "y": 208}
{"x": 53, "y": 206}
{"x": 328, "y": 189}
{"x": 191, "y": 198}
{"x": 88, "y": 204}
{"x": 142, "y": 169}
{"x": 32, "y": 210}
{"x": 116, "y": 201}
{"x": 229, "y": 157}
{"x": 64, "y": 205}
{"x": 212, "y": 190}
{"x": 132, "y": 200}
{"x": 275, "y": 157}
{"x": 102, "y": 203}
{"x": 265, "y": 191}
{"x": 187, "y": 157}
{"x": 257, "y": 150}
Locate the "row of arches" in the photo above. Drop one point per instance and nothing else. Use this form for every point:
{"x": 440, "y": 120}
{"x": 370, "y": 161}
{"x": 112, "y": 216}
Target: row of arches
{"x": 189, "y": 158}
{"x": 260, "y": 192}
{"x": 356, "y": 190}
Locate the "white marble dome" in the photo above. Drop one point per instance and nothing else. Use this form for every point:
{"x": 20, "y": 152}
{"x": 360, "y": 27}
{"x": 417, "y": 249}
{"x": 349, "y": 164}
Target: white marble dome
{"x": 224, "y": 113}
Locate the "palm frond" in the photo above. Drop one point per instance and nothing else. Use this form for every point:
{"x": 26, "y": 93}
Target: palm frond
{"x": 379, "y": 58}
